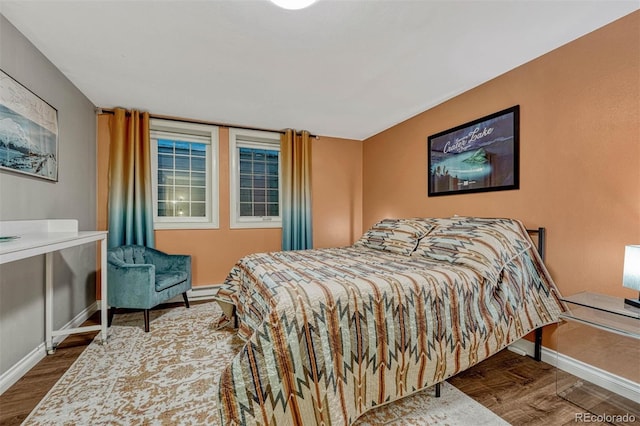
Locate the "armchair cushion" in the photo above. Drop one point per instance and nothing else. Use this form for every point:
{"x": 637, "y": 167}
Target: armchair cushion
{"x": 169, "y": 279}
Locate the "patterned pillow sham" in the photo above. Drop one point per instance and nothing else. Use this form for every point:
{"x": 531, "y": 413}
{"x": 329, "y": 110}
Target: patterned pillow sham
{"x": 395, "y": 235}
{"x": 483, "y": 244}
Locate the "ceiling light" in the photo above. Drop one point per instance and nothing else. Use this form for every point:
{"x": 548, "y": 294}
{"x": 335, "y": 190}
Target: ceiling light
{"x": 293, "y": 4}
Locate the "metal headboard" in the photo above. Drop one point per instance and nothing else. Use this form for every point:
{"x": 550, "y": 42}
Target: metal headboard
{"x": 541, "y": 234}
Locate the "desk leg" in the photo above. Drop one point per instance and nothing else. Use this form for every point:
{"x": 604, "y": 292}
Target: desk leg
{"x": 104, "y": 305}
{"x": 48, "y": 303}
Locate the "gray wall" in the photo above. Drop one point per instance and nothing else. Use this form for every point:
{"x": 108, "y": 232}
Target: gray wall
{"x": 26, "y": 197}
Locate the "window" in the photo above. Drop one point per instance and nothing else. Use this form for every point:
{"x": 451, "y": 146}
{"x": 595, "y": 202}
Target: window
{"x": 184, "y": 168}
{"x": 254, "y": 159}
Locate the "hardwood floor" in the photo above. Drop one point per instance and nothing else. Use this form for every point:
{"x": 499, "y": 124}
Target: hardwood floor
{"x": 517, "y": 388}
{"x": 18, "y": 401}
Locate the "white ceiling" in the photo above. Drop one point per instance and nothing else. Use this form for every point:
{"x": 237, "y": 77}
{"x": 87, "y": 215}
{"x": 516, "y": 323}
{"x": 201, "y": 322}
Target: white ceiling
{"x": 339, "y": 68}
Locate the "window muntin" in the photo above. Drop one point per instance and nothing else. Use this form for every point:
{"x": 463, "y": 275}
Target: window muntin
{"x": 185, "y": 163}
{"x": 255, "y": 179}
{"x": 259, "y": 182}
{"x": 182, "y": 178}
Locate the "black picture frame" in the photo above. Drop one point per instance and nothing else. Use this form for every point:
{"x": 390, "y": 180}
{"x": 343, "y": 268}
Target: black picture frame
{"x": 479, "y": 156}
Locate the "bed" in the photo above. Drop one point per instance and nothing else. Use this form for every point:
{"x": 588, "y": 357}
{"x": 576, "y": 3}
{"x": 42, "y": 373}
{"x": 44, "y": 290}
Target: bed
{"x": 332, "y": 333}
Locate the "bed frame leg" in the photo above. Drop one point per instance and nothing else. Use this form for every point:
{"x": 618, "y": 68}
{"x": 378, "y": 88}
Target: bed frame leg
{"x": 234, "y": 314}
{"x": 537, "y": 352}
{"x": 437, "y": 390}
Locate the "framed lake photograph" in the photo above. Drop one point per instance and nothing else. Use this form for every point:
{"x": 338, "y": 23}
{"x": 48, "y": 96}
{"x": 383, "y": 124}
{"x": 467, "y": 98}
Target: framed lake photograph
{"x": 28, "y": 131}
{"x": 478, "y": 156}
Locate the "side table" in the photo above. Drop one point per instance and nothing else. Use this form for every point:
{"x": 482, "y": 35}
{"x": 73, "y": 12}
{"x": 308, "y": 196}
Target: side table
{"x": 600, "y": 335}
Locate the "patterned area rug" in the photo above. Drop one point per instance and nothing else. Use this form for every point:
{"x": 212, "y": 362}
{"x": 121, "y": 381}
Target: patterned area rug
{"x": 170, "y": 376}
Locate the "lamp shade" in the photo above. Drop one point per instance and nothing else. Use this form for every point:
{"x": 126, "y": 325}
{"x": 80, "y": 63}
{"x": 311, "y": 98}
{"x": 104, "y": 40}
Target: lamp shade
{"x": 631, "y": 274}
{"x": 293, "y": 4}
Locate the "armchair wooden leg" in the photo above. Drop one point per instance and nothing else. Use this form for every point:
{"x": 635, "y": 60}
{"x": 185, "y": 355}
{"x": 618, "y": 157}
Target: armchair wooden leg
{"x": 437, "y": 390}
{"x": 146, "y": 320}
{"x": 186, "y": 301}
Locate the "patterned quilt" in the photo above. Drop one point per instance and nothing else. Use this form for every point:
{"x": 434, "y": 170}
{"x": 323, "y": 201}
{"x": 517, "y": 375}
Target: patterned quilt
{"x": 332, "y": 333}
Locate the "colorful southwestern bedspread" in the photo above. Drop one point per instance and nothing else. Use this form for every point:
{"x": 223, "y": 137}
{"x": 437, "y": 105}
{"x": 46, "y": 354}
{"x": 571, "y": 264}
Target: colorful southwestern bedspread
{"x": 332, "y": 333}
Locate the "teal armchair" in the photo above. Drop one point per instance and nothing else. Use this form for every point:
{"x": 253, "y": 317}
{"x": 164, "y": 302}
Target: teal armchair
{"x": 141, "y": 277}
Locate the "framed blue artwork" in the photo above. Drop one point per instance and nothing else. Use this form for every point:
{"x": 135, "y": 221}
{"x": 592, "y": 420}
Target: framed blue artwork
{"x": 28, "y": 131}
{"x": 478, "y": 156}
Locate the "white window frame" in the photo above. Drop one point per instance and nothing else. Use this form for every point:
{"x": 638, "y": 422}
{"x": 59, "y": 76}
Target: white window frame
{"x": 200, "y": 133}
{"x": 253, "y": 139}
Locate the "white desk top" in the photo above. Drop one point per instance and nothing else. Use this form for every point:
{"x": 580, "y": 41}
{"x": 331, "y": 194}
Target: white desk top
{"x": 37, "y": 237}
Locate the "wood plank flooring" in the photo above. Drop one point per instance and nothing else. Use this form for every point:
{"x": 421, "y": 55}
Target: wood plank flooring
{"x": 517, "y": 388}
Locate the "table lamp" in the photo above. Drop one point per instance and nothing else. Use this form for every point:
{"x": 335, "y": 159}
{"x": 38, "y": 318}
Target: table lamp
{"x": 631, "y": 274}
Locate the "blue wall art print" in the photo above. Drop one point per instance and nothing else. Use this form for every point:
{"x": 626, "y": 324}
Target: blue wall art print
{"x": 28, "y": 131}
{"x": 478, "y": 156}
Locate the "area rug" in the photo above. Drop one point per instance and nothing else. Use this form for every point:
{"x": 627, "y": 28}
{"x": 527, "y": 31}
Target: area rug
{"x": 169, "y": 376}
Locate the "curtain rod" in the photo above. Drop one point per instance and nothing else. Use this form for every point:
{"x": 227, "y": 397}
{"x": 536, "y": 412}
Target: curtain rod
{"x": 212, "y": 123}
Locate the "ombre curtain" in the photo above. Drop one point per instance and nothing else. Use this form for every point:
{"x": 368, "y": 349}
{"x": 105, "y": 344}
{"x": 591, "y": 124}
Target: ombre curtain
{"x": 295, "y": 158}
{"x": 130, "y": 201}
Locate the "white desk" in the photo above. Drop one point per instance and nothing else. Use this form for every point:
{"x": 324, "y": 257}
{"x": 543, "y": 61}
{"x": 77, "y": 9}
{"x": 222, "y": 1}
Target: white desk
{"x": 38, "y": 237}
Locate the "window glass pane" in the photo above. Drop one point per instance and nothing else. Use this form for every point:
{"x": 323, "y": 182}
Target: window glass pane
{"x": 259, "y": 168}
{"x": 198, "y": 179}
{"x": 165, "y": 177}
{"x": 182, "y": 209}
{"x": 182, "y": 178}
{"x": 165, "y": 146}
{"x": 165, "y": 193}
{"x": 272, "y": 168}
{"x": 259, "y": 210}
{"x": 198, "y": 149}
{"x": 198, "y": 210}
{"x": 259, "y": 196}
{"x": 245, "y": 166}
{"x": 272, "y": 210}
{"x": 272, "y": 196}
{"x": 198, "y": 164}
{"x": 183, "y": 148}
{"x": 165, "y": 209}
{"x": 198, "y": 194}
{"x": 245, "y": 181}
{"x": 258, "y": 182}
{"x": 246, "y": 209}
{"x": 182, "y": 193}
{"x": 182, "y": 163}
{"x": 272, "y": 182}
{"x": 245, "y": 195}
{"x": 165, "y": 161}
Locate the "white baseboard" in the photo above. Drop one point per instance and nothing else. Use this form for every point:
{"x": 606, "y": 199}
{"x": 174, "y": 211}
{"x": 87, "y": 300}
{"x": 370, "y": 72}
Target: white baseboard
{"x": 19, "y": 369}
{"x": 201, "y": 292}
{"x": 595, "y": 375}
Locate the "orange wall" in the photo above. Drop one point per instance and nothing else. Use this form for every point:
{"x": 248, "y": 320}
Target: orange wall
{"x": 337, "y": 192}
{"x": 336, "y": 197}
{"x": 580, "y": 156}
